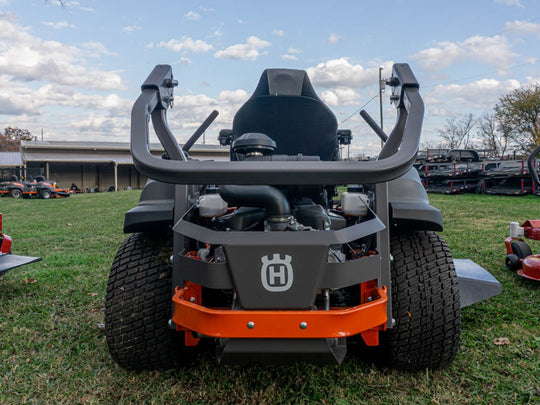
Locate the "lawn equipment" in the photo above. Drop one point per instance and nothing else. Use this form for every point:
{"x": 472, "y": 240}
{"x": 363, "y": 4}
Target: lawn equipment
{"x": 38, "y": 187}
{"x": 262, "y": 257}
{"x": 48, "y": 189}
{"x": 16, "y": 188}
{"x": 10, "y": 261}
{"x": 519, "y": 254}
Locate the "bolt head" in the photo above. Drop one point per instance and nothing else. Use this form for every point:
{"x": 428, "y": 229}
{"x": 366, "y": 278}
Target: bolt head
{"x": 192, "y": 299}
{"x": 303, "y": 325}
{"x": 251, "y": 325}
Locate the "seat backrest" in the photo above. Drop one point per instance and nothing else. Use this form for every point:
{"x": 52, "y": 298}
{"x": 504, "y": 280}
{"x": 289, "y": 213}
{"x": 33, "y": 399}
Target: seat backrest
{"x": 285, "y": 107}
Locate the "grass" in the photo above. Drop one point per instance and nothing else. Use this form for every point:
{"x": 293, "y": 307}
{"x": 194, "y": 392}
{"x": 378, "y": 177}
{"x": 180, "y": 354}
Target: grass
{"x": 54, "y": 351}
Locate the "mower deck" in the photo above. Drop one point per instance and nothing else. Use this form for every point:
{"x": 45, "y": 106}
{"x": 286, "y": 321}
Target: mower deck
{"x": 475, "y": 283}
{"x": 9, "y": 261}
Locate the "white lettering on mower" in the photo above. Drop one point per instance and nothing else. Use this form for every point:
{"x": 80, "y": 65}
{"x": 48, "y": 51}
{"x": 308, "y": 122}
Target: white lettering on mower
{"x": 276, "y": 273}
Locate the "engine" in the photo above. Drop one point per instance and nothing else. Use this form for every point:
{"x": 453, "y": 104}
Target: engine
{"x": 298, "y": 208}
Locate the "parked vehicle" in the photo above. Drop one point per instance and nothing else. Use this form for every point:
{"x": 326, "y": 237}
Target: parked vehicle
{"x": 38, "y": 187}
{"x": 16, "y": 188}
{"x": 263, "y": 260}
{"x": 48, "y": 189}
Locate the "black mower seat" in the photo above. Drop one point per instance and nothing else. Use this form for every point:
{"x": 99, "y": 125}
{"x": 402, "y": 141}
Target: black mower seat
{"x": 285, "y": 107}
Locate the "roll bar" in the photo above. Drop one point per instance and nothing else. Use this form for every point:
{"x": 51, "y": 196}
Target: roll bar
{"x": 157, "y": 95}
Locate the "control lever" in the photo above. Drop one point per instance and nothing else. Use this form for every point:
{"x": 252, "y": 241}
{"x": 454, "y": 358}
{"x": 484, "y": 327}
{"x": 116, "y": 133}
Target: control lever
{"x": 364, "y": 114}
{"x": 197, "y": 134}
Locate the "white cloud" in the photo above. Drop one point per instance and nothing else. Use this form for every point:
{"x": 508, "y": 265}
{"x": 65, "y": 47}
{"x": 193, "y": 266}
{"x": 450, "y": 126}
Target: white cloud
{"x": 77, "y": 6}
{"x": 186, "y": 44}
{"x": 184, "y": 61}
{"x": 191, "y": 109}
{"x": 523, "y": 28}
{"x": 509, "y": 2}
{"x": 340, "y": 73}
{"x": 100, "y": 126}
{"x": 278, "y": 33}
{"x": 248, "y": 51}
{"x": 492, "y": 50}
{"x": 479, "y": 95}
{"x": 217, "y": 34}
{"x": 289, "y": 57}
{"x": 235, "y": 96}
{"x": 291, "y": 54}
{"x": 131, "y": 28}
{"x": 60, "y": 25}
{"x": 96, "y": 49}
{"x": 19, "y": 98}
{"x": 340, "y": 96}
{"x": 333, "y": 38}
{"x": 193, "y": 16}
{"x": 28, "y": 58}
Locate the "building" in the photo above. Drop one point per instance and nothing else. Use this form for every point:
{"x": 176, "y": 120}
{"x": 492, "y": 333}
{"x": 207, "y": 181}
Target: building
{"x": 11, "y": 164}
{"x": 91, "y": 166}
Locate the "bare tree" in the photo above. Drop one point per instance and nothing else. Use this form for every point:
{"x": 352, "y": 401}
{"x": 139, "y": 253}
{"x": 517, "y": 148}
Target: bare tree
{"x": 495, "y": 135}
{"x": 456, "y": 134}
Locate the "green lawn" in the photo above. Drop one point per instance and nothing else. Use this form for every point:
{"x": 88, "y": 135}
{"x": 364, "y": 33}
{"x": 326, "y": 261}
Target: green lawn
{"x": 54, "y": 351}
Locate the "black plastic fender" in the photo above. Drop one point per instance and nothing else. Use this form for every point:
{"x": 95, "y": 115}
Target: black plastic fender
{"x": 155, "y": 209}
{"x": 409, "y": 205}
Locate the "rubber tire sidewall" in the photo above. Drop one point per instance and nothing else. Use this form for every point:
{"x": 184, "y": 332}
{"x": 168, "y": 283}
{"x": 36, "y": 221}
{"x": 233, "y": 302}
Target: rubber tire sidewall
{"x": 45, "y": 194}
{"x": 15, "y": 193}
{"x": 425, "y": 304}
{"x": 138, "y": 305}
{"x": 512, "y": 262}
{"x": 521, "y": 249}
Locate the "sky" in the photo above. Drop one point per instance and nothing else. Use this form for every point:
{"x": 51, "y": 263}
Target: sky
{"x": 72, "y": 69}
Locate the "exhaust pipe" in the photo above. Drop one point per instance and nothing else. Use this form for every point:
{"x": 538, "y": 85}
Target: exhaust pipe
{"x": 267, "y": 197}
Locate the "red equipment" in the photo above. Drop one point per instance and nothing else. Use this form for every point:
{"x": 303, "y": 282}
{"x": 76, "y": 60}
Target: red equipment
{"x": 520, "y": 257}
{"x": 10, "y": 261}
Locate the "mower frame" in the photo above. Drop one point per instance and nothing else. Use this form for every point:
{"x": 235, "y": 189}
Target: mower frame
{"x": 268, "y": 324}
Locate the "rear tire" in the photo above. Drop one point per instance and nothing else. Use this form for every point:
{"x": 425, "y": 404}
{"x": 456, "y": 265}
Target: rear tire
{"x": 15, "y": 193}
{"x": 45, "y": 194}
{"x": 138, "y": 305}
{"x": 425, "y": 304}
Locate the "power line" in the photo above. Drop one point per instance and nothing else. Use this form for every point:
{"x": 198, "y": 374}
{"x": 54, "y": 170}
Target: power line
{"x": 357, "y": 111}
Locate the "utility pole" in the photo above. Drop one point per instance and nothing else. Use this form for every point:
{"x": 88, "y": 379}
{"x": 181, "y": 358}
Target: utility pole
{"x": 381, "y": 90}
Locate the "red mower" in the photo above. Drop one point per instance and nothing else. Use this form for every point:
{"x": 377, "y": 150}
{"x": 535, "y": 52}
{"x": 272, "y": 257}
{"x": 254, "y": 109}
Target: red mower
{"x": 9, "y": 261}
{"x": 520, "y": 257}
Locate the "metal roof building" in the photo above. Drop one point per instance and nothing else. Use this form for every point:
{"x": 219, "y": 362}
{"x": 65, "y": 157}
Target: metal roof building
{"x": 91, "y": 166}
{"x": 10, "y": 163}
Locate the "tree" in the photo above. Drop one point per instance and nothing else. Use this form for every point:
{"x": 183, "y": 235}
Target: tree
{"x": 457, "y": 132}
{"x": 519, "y": 111}
{"x": 495, "y": 135}
{"x": 10, "y": 140}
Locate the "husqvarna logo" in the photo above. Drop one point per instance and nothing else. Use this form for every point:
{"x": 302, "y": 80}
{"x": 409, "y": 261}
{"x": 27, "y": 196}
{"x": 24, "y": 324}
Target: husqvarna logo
{"x": 276, "y": 273}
